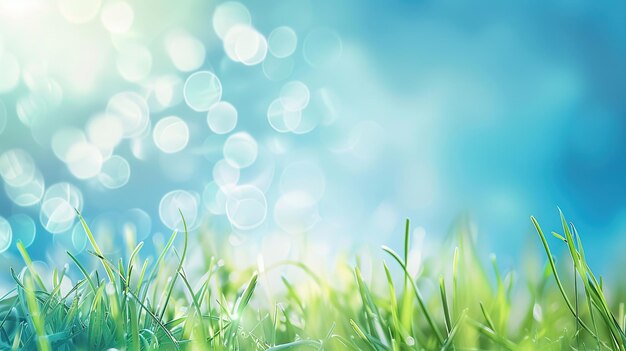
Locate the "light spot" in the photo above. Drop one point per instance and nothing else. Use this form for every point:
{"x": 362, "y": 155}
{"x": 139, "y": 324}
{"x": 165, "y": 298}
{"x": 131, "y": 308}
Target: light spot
{"x": 134, "y": 62}
{"x": 409, "y": 340}
{"x": 240, "y": 150}
{"x": 84, "y": 160}
{"x": 59, "y": 206}
{"x": 6, "y": 235}
{"x": 33, "y": 74}
{"x": 104, "y": 228}
{"x": 186, "y": 51}
{"x": 117, "y": 17}
{"x": 131, "y": 110}
{"x": 214, "y": 199}
{"x": 23, "y": 228}
{"x": 538, "y": 313}
{"x": 143, "y": 147}
{"x": 49, "y": 90}
{"x": 296, "y": 212}
{"x": 225, "y": 175}
{"x": 79, "y": 11}
{"x": 281, "y": 119}
{"x": 170, "y": 205}
{"x": 28, "y": 194}
{"x": 322, "y": 48}
{"x": 31, "y": 109}
{"x": 17, "y": 167}
{"x": 137, "y": 221}
{"x": 115, "y": 172}
{"x": 166, "y": 91}
{"x": 282, "y": 42}
{"x": 64, "y": 139}
{"x": 277, "y": 69}
{"x": 294, "y": 96}
{"x": 246, "y": 207}
{"x": 78, "y": 238}
{"x": 170, "y": 134}
{"x": 104, "y": 131}
{"x": 202, "y": 90}
{"x": 308, "y": 121}
{"x": 222, "y": 118}
{"x": 246, "y": 45}
{"x": 10, "y": 76}
{"x": 229, "y": 14}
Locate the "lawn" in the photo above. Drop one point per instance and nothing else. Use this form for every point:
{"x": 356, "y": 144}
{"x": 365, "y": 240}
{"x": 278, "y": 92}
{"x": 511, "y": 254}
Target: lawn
{"x": 452, "y": 302}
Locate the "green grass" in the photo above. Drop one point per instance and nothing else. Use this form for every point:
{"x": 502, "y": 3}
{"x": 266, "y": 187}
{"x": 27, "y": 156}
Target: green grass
{"x": 453, "y": 302}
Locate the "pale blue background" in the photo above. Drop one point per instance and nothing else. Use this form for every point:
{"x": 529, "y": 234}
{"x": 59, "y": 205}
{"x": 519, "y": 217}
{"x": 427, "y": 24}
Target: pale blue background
{"x": 500, "y": 111}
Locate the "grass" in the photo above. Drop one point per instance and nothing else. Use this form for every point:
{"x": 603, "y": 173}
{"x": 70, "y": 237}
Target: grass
{"x": 453, "y": 302}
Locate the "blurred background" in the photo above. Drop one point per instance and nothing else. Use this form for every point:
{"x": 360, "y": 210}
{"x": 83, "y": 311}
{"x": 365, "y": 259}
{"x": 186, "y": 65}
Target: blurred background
{"x": 334, "y": 120}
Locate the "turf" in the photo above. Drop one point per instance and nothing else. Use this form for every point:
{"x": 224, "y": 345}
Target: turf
{"x": 450, "y": 302}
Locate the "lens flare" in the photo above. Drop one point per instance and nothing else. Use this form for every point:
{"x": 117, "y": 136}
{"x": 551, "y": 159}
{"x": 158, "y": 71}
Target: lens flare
{"x": 186, "y": 52}
{"x": 282, "y": 42}
{"x": 132, "y": 112}
{"x": 202, "y": 90}
{"x": 17, "y": 167}
{"x": 58, "y": 210}
{"x": 246, "y": 207}
{"x": 173, "y": 204}
{"x": 228, "y": 15}
{"x": 28, "y": 194}
{"x": 117, "y": 17}
{"x": 240, "y": 150}
{"x": 171, "y": 134}
{"x": 6, "y": 235}
{"x": 24, "y": 229}
{"x": 115, "y": 172}
{"x": 222, "y": 117}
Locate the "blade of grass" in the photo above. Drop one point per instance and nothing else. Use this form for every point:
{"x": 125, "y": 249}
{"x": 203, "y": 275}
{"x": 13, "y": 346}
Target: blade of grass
{"x": 417, "y": 294}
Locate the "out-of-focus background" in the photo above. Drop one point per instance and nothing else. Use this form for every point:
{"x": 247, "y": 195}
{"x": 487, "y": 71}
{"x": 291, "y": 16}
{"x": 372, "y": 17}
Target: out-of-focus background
{"x": 262, "y": 120}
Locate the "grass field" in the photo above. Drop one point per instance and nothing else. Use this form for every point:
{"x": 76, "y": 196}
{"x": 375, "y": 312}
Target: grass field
{"x": 452, "y": 302}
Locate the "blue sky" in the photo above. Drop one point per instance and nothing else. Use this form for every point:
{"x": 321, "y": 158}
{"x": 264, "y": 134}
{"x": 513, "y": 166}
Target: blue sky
{"x": 426, "y": 110}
